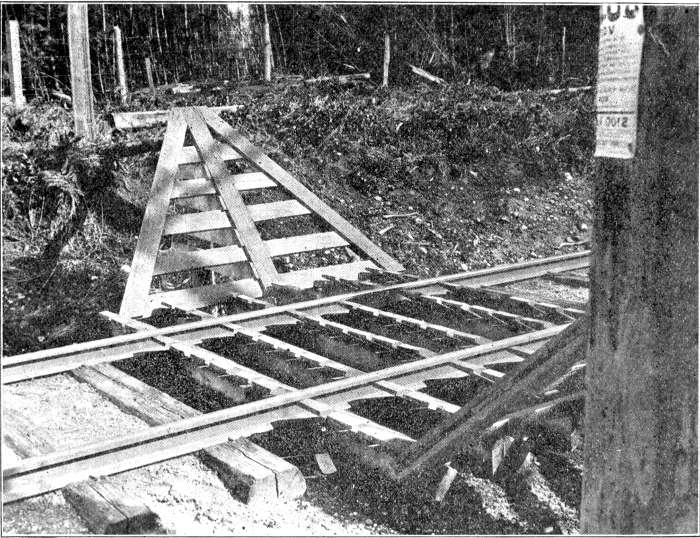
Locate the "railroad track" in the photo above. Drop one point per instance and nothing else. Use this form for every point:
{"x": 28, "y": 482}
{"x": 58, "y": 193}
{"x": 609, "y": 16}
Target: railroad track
{"x": 384, "y": 337}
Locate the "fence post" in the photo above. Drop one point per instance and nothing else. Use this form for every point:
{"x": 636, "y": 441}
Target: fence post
{"x": 149, "y": 76}
{"x": 121, "y": 72}
{"x": 387, "y": 57}
{"x": 15, "y": 64}
{"x": 80, "y": 74}
{"x": 268, "y": 46}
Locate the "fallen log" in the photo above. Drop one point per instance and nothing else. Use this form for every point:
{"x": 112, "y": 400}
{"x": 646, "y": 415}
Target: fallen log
{"x": 341, "y": 79}
{"x": 153, "y": 118}
{"x": 423, "y": 73}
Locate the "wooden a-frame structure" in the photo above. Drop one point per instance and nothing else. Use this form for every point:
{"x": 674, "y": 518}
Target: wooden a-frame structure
{"x": 197, "y": 177}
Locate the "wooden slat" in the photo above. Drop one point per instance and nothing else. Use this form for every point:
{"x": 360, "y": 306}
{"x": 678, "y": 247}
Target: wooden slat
{"x": 191, "y": 298}
{"x": 235, "y": 207}
{"x": 217, "y": 220}
{"x": 104, "y": 508}
{"x": 304, "y": 243}
{"x": 306, "y": 277}
{"x": 277, "y": 210}
{"x": 203, "y": 186}
{"x": 196, "y": 222}
{"x": 309, "y": 199}
{"x": 29, "y": 370}
{"x": 139, "y": 282}
{"x": 499, "y": 273}
{"x": 250, "y": 472}
{"x": 173, "y": 261}
{"x": 46, "y": 473}
{"x": 153, "y": 118}
{"x": 189, "y": 154}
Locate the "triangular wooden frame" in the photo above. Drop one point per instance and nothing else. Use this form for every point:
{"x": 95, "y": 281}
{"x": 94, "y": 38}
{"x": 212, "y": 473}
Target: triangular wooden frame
{"x": 235, "y": 217}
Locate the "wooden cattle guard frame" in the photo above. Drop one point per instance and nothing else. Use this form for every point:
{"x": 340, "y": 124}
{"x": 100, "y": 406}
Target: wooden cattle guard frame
{"x": 217, "y": 193}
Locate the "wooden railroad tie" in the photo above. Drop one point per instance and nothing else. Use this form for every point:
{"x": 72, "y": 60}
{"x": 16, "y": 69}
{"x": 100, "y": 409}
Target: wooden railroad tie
{"x": 198, "y": 204}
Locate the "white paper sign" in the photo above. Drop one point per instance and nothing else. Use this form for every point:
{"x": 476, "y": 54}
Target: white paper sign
{"x": 619, "y": 62}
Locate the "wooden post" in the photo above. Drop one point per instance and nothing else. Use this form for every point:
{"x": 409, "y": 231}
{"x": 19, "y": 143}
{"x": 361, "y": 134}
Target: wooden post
{"x": 268, "y": 46}
{"x": 149, "y": 76}
{"x": 121, "y": 71}
{"x": 640, "y": 433}
{"x": 81, "y": 77}
{"x": 387, "y": 58}
{"x": 563, "y": 53}
{"x": 15, "y": 64}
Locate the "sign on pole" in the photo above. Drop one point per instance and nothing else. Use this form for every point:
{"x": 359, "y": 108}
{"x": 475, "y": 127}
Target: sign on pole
{"x": 619, "y": 62}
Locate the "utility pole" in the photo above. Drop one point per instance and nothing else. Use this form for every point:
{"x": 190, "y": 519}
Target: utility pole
{"x": 640, "y": 432}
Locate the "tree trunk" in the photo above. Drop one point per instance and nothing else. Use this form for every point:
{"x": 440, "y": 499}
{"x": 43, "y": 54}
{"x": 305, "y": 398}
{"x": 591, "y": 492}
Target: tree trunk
{"x": 640, "y": 449}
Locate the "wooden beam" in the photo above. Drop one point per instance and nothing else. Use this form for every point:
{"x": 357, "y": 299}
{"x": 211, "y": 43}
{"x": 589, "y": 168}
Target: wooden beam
{"x": 154, "y": 118}
{"x": 424, "y": 325}
{"x": 103, "y": 506}
{"x": 236, "y": 209}
{"x": 14, "y": 64}
{"x": 256, "y": 157}
{"x": 81, "y": 76}
{"x": 250, "y": 472}
{"x": 134, "y": 300}
{"x": 19, "y": 479}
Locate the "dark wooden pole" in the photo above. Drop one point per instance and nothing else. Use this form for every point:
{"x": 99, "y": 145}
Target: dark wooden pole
{"x": 81, "y": 76}
{"x": 640, "y": 446}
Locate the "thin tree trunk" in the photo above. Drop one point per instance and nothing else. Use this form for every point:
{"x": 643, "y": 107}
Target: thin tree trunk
{"x": 640, "y": 432}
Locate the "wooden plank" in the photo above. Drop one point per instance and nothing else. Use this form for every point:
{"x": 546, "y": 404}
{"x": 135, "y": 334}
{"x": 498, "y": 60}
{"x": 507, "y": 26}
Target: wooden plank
{"x": 277, "y": 210}
{"x": 569, "y": 279}
{"x": 104, "y": 508}
{"x": 398, "y": 318}
{"x": 309, "y": 199}
{"x": 191, "y": 298}
{"x": 17, "y": 487}
{"x": 515, "y": 391}
{"x": 134, "y": 301}
{"x": 304, "y": 243}
{"x": 305, "y": 278}
{"x": 189, "y": 154}
{"x": 153, "y": 118}
{"x": 195, "y": 222}
{"x": 505, "y": 301}
{"x": 217, "y": 220}
{"x": 252, "y": 473}
{"x": 236, "y": 209}
{"x": 203, "y": 186}
{"x": 29, "y": 370}
{"x": 500, "y": 273}
{"x": 49, "y": 472}
{"x": 172, "y": 261}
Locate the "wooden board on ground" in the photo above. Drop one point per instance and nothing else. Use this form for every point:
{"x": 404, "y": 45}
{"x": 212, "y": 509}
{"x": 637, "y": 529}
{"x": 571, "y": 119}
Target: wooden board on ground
{"x": 104, "y": 507}
{"x": 250, "y": 472}
{"x": 198, "y": 223}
